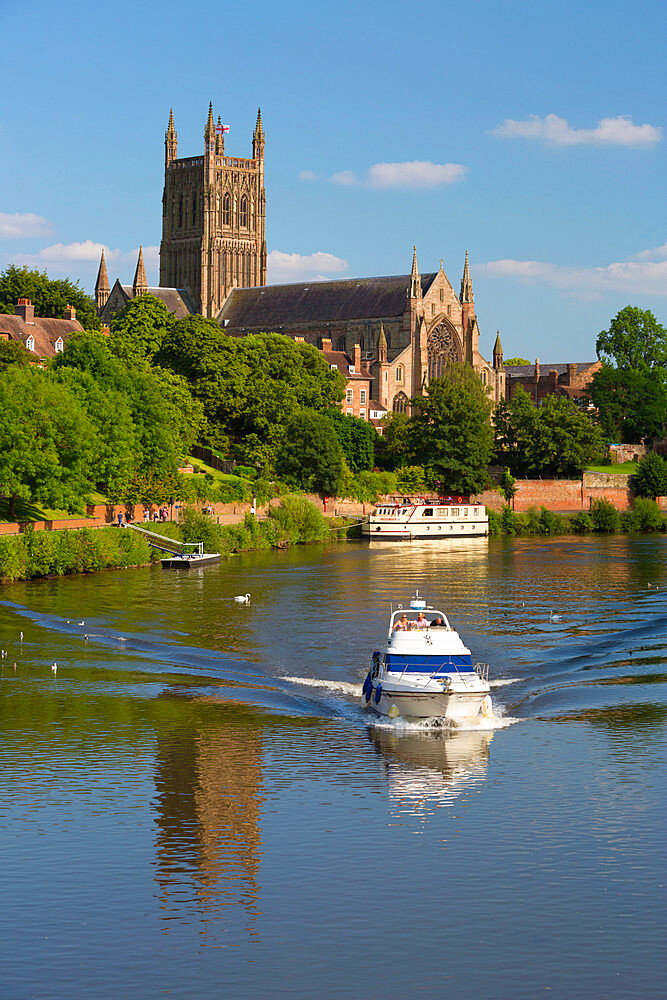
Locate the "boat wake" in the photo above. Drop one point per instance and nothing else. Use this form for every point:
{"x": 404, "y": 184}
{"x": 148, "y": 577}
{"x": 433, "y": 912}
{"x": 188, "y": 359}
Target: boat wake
{"x": 343, "y": 687}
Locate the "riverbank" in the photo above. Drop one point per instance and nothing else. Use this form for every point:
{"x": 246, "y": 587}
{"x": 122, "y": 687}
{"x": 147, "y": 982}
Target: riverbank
{"x": 602, "y": 518}
{"x": 34, "y": 554}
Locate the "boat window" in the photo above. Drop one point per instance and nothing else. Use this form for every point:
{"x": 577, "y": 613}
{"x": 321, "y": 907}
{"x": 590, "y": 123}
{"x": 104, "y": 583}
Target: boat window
{"x": 455, "y": 512}
{"x": 464, "y": 512}
{"x": 442, "y": 512}
{"x": 428, "y": 512}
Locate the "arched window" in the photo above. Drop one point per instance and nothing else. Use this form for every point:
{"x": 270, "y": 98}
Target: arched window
{"x": 442, "y": 294}
{"x": 30, "y": 343}
{"x": 442, "y": 349}
{"x": 194, "y": 210}
{"x": 227, "y": 210}
{"x": 399, "y": 373}
{"x": 401, "y": 403}
{"x": 180, "y": 212}
{"x": 483, "y": 378}
{"x": 244, "y": 212}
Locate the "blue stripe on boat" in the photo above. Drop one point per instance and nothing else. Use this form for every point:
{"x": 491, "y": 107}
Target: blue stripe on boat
{"x": 415, "y": 664}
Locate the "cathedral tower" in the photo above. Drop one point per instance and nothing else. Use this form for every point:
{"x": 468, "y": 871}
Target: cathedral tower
{"x": 213, "y": 218}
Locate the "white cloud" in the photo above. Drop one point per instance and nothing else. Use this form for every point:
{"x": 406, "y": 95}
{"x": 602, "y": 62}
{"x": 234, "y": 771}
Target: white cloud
{"x": 643, "y": 275}
{"x": 656, "y": 253}
{"x": 284, "y": 267}
{"x": 414, "y": 174}
{"x": 20, "y": 225}
{"x": 345, "y": 177}
{"x": 620, "y": 131}
{"x": 89, "y": 252}
{"x": 307, "y": 175}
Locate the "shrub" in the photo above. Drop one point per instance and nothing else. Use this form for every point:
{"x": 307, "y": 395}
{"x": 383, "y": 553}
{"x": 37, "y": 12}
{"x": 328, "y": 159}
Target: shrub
{"x": 495, "y": 522}
{"x": 552, "y": 523}
{"x": 533, "y": 525}
{"x": 299, "y": 520}
{"x": 508, "y": 521}
{"x": 647, "y": 514}
{"x": 604, "y": 516}
{"x": 246, "y": 471}
{"x": 368, "y": 486}
{"x": 650, "y": 480}
{"x": 582, "y": 523}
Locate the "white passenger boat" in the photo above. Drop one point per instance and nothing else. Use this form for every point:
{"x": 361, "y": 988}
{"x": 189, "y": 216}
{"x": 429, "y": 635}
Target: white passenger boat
{"x": 402, "y": 517}
{"x": 425, "y": 671}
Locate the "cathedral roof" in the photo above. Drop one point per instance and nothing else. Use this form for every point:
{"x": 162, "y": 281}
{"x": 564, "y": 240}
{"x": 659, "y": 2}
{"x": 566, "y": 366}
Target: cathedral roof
{"x": 177, "y": 300}
{"x": 271, "y": 306}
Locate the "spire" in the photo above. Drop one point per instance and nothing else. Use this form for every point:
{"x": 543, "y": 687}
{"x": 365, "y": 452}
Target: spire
{"x": 102, "y": 285}
{"x": 466, "y": 283}
{"x": 170, "y": 140}
{"x": 209, "y": 131}
{"x": 140, "y": 283}
{"x": 258, "y": 138}
{"x": 382, "y": 345}
{"x": 415, "y": 280}
{"x": 219, "y": 139}
{"x": 498, "y": 352}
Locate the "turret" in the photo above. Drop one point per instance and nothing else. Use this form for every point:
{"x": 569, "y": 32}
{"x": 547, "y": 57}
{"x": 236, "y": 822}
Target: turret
{"x": 219, "y": 139}
{"x": 140, "y": 283}
{"x": 258, "y": 138}
{"x": 382, "y": 346}
{"x": 498, "y": 353}
{"x": 415, "y": 281}
{"x": 170, "y": 141}
{"x": 102, "y": 290}
{"x": 209, "y": 131}
{"x": 466, "y": 284}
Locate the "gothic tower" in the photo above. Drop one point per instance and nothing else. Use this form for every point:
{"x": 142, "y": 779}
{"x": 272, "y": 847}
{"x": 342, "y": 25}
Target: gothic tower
{"x": 213, "y": 218}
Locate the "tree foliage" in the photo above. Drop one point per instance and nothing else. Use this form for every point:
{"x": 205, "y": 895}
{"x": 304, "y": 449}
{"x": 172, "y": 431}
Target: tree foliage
{"x": 635, "y": 340}
{"x": 49, "y": 297}
{"x": 650, "y": 480}
{"x": 631, "y": 404}
{"x": 137, "y": 331}
{"x": 310, "y": 455}
{"x": 516, "y": 361}
{"x": 357, "y": 439}
{"x": 451, "y": 430}
{"x": 13, "y": 352}
{"x": 557, "y": 438}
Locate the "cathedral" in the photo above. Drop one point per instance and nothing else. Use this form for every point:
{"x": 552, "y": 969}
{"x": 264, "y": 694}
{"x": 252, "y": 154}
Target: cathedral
{"x": 397, "y": 332}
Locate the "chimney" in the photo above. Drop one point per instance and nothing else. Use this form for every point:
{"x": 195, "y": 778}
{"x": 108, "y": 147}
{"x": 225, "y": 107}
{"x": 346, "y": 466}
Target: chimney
{"x": 553, "y": 378}
{"x": 357, "y": 357}
{"x": 571, "y": 373}
{"x": 26, "y": 310}
{"x": 537, "y": 369}
{"x": 70, "y": 312}
{"x": 326, "y": 343}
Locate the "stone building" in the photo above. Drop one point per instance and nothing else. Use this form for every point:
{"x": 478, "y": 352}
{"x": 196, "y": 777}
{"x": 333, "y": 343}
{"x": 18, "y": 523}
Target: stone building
{"x": 541, "y": 380}
{"x": 213, "y": 218}
{"x": 43, "y": 336}
{"x": 110, "y": 301}
{"x": 406, "y": 327}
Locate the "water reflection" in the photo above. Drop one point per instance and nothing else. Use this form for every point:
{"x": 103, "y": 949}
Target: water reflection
{"x": 425, "y": 772}
{"x": 208, "y": 811}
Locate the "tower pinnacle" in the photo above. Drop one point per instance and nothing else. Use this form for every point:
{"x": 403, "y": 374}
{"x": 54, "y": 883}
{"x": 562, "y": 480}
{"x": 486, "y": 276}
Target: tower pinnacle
{"x": 102, "y": 285}
{"x": 466, "y": 283}
{"x": 170, "y": 141}
{"x": 209, "y": 131}
{"x": 415, "y": 280}
{"x": 140, "y": 283}
{"x": 258, "y": 138}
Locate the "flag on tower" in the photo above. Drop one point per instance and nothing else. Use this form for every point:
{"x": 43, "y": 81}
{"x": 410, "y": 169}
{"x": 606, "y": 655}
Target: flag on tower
{"x": 222, "y": 129}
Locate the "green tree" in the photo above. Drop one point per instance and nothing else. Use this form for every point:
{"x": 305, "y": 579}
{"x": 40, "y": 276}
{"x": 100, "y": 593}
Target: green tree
{"x": 451, "y": 430}
{"x": 635, "y": 340}
{"x": 650, "y": 480}
{"x": 47, "y": 442}
{"x": 516, "y": 361}
{"x": 13, "y": 352}
{"x": 137, "y": 331}
{"x": 357, "y": 439}
{"x": 519, "y": 439}
{"x": 310, "y": 455}
{"x": 393, "y": 448}
{"x": 49, "y": 297}
{"x": 508, "y": 486}
{"x": 631, "y": 405}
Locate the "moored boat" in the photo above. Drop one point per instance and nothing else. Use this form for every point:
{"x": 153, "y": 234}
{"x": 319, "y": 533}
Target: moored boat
{"x": 405, "y": 518}
{"x": 425, "y": 670}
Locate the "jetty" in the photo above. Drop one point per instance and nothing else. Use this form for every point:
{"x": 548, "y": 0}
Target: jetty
{"x": 180, "y": 555}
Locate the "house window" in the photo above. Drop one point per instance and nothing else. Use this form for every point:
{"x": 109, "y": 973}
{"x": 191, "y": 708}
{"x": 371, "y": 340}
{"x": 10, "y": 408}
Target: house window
{"x": 399, "y": 373}
{"x": 350, "y": 413}
{"x": 348, "y": 396}
{"x": 227, "y": 210}
{"x": 362, "y": 395}
{"x": 30, "y": 343}
{"x": 362, "y": 414}
{"x": 59, "y": 345}
{"x": 244, "y": 212}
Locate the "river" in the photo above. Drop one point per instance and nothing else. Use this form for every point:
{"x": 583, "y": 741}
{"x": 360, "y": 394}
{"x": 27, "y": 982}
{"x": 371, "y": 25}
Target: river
{"x": 194, "y": 804}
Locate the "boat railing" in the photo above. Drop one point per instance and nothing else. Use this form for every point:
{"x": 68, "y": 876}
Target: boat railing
{"x": 482, "y": 671}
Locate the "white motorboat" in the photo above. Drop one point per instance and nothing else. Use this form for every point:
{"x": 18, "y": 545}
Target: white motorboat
{"x": 425, "y": 671}
{"x": 405, "y": 518}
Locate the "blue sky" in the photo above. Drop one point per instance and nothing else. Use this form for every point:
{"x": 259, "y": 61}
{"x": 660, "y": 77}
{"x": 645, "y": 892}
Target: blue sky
{"x": 531, "y": 134}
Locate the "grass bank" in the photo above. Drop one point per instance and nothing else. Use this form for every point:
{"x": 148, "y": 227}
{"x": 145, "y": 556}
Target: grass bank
{"x": 59, "y": 553}
{"x": 603, "y": 518}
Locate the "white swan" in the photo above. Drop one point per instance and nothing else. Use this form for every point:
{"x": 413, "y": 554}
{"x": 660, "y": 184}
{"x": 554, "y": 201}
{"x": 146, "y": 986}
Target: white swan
{"x": 242, "y": 598}
{"x": 555, "y": 618}
{"x": 54, "y": 668}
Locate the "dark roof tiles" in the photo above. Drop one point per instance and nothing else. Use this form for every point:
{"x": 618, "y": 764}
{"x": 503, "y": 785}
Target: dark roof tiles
{"x": 44, "y": 330}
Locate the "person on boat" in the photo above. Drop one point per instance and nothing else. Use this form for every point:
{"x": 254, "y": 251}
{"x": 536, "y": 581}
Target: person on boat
{"x": 437, "y": 623}
{"x": 402, "y": 624}
{"x": 421, "y": 621}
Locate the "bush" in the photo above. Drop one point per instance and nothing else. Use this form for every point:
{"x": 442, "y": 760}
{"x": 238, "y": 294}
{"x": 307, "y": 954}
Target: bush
{"x": 495, "y": 522}
{"x": 366, "y": 487}
{"x": 647, "y": 515}
{"x": 552, "y": 523}
{"x": 604, "y": 516}
{"x": 582, "y": 523}
{"x": 533, "y": 524}
{"x": 650, "y": 480}
{"x": 58, "y": 553}
{"x": 299, "y": 520}
{"x": 508, "y": 521}
{"x": 245, "y": 471}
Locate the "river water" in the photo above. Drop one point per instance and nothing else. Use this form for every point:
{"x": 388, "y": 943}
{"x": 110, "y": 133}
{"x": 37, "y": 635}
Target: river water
{"x": 194, "y": 805}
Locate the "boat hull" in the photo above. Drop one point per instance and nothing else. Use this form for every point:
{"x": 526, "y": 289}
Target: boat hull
{"x": 457, "y": 706}
{"x": 408, "y": 532}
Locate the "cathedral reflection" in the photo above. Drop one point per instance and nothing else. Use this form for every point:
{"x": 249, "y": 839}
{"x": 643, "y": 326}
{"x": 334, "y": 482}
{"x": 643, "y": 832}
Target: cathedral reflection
{"x": 207, "y": 812}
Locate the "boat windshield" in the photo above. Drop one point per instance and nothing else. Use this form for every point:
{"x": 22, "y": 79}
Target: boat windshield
{"x": 410, "y": 621}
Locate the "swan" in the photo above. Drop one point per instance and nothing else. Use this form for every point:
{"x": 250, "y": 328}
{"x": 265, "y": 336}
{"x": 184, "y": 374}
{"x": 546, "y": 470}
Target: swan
{"x": 242, "y": 598}
{"x": 54, "y": 668}
{"x": 555, "y": 618}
